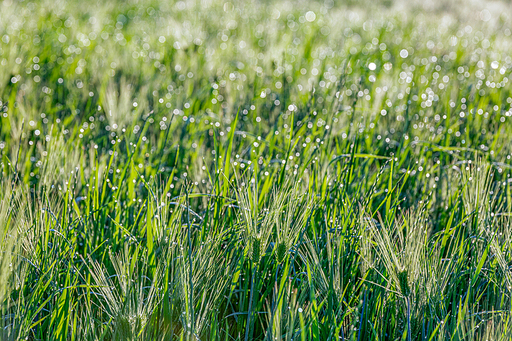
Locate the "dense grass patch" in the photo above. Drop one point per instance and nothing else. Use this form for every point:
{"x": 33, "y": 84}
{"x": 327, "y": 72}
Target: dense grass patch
{"x": 253, "y": 170}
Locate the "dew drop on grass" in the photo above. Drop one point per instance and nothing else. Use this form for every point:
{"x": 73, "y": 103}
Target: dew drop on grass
{"x": 310, "y": 16}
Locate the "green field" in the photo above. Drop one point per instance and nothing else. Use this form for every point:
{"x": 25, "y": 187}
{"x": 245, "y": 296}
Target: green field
{"x": 255, "y": 170}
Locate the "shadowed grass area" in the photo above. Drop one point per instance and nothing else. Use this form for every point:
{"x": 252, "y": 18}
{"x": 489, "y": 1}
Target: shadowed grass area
{"x": 254, "y": 170}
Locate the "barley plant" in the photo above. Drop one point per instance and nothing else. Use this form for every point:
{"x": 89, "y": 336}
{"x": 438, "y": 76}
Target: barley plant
{"x": 255, "y": 170}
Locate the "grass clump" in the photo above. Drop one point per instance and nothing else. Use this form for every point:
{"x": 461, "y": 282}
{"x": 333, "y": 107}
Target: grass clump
{"x": 265, "y": 170}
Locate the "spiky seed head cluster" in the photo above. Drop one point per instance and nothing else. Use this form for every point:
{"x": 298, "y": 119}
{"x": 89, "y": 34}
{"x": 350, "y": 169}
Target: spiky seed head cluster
{"x": 404, "y": 285}
{"x": 256, "y": 249}
{"x": 281, "y": 252}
